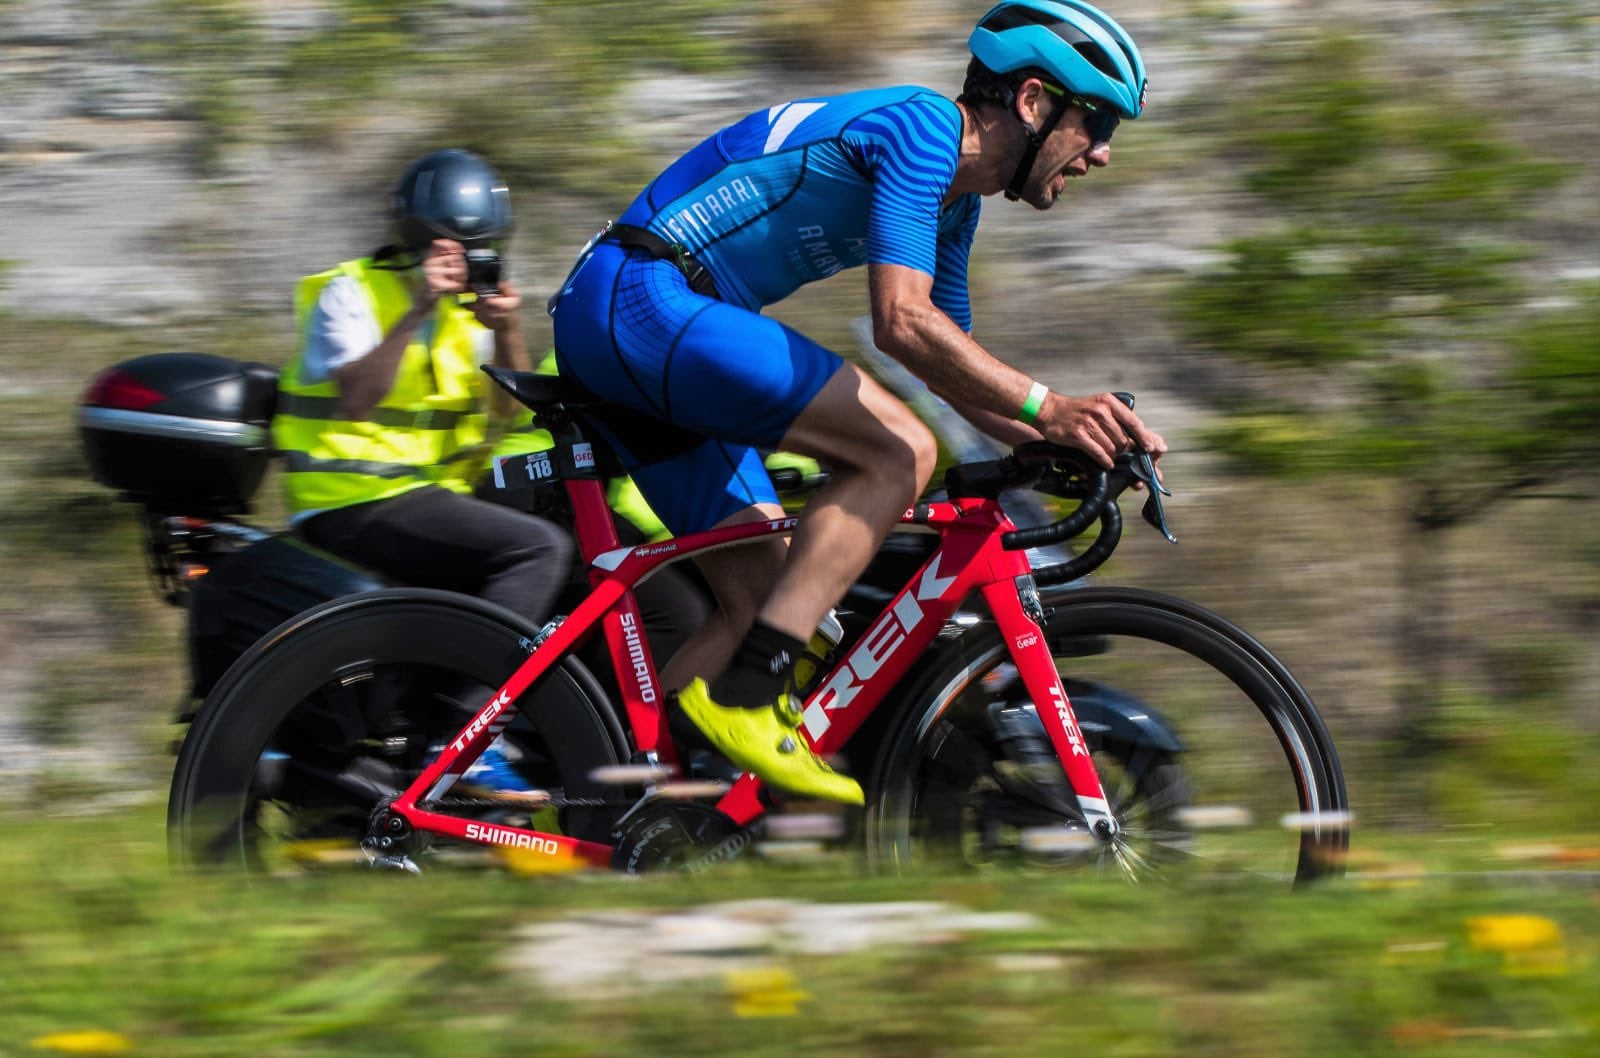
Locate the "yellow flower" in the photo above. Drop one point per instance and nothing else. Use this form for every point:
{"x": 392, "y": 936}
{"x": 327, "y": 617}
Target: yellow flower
{"x": 529, "y": 864}
{"x": 1531, "y": 945}
{"x": 92, "y": 1041}
{"x": 764, "y": 992}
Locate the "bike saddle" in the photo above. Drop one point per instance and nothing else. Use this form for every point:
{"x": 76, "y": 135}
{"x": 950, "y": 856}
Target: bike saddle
{"x": 543, "y": 392}
{"x": 636, "y": 431}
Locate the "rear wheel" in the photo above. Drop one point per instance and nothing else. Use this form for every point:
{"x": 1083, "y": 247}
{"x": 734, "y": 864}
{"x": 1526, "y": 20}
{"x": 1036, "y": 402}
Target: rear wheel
{"x": 337, "y": 711}
{"x": 1253, "y": 787}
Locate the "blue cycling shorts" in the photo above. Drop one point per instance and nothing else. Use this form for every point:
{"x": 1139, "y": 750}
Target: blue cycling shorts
{"x": 628, "y": 327}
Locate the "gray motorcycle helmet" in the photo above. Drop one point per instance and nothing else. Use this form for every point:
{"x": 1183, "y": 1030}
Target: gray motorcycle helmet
{"x": 450, "y": 194}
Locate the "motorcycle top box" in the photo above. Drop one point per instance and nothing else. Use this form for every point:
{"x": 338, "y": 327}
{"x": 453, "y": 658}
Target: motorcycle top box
{"x": 180, "y": 430}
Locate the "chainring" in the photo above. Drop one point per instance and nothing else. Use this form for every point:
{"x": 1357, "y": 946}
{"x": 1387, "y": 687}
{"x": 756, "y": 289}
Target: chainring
{"x": 677, "y": 836}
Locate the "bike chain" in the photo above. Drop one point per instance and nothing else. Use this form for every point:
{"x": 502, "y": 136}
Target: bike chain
{"x": 552, "y": 801}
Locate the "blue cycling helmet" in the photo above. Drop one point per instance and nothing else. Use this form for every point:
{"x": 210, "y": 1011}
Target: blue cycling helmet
{"x": 1080, "y": 46}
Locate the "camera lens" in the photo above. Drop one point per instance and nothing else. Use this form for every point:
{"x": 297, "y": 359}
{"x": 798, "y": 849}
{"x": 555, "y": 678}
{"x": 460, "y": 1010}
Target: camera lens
{"x": 483, "y": 271}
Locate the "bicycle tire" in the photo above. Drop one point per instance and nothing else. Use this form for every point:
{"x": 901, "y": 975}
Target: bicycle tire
{"x": 335, "y": 664}
{"x": 1219, "y": 660}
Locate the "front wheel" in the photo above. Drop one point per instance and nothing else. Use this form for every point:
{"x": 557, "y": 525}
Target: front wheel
{"x": 1213, "y": 757}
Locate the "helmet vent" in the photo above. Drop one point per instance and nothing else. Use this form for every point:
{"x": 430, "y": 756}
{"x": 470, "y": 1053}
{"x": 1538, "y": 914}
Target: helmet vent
{"x": 1013, "y": 17}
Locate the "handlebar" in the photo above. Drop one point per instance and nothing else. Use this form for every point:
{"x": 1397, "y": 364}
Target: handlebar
{"x": 1070, "y": 474}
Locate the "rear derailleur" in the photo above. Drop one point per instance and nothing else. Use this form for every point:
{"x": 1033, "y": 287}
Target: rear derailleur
{"x": 391, "y": 841}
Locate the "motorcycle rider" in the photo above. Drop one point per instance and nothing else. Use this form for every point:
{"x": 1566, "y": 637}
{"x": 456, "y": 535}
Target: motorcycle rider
{"x": 383, "y": 415}
{"x": 385, "y": 419}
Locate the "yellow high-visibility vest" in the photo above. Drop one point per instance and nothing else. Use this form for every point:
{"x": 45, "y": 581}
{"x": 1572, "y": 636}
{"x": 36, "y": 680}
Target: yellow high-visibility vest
{"x": 430, "y": 428}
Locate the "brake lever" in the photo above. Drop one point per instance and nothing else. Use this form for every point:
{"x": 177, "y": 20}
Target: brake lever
{"x": 1144, "y": 468}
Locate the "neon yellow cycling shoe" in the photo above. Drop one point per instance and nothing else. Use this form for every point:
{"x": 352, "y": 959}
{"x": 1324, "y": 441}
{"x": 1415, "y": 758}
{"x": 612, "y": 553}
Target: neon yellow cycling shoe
{"x": 759, "y": 742}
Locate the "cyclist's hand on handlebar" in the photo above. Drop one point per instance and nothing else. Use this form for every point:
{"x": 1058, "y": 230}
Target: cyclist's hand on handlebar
{"x": 1100, "y": 425}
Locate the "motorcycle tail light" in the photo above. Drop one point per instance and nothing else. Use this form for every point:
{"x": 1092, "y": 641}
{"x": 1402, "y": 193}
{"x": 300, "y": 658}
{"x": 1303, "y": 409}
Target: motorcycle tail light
{"x": 116, "y": 388}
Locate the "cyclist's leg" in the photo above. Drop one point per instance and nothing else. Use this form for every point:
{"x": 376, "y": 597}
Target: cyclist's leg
{"x": 728, "y": 373}
{"x": 741, "y": 579}
{"x": 647, "y": 341}
{"x": 630, "y": 329}
{"x": 881, "y": 458}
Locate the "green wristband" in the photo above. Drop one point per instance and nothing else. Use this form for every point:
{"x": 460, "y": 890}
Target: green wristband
{"x": 1031, "y": 406}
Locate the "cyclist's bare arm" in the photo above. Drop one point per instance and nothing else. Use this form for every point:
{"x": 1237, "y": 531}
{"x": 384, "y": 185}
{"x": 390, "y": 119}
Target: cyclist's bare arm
{"x": 1006, "y": 431}
{"x": 908, "y": 326}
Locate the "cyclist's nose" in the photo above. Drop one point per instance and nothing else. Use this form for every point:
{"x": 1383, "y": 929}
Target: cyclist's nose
{"x": 1099, "y": 155}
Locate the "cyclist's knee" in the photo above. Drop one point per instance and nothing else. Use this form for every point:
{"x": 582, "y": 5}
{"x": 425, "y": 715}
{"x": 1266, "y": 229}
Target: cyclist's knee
{"x": 906, "y": 459}
{"x": 924, "y": 453}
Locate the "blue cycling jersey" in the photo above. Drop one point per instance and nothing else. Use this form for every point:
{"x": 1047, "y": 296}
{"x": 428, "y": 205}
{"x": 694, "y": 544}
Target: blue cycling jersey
{"x": 795, "y": 193}
{"x": 782, "y": 198}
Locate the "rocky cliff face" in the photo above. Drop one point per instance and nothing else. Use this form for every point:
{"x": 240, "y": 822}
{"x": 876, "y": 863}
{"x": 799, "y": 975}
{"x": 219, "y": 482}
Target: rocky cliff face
{"x": 107, "y": 214}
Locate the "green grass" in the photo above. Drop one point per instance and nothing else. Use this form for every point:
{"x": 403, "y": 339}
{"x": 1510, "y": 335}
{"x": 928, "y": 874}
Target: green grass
{"x": 97, "y": 936}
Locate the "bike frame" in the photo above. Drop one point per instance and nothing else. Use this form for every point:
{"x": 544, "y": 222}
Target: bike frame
{"x": 970, "y": 558}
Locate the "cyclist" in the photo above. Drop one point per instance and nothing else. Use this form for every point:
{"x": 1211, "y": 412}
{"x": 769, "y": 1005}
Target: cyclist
{"x": 661, "y": 313}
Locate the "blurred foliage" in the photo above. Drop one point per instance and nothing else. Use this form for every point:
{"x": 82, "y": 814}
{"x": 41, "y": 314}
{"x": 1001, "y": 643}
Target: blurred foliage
{"x": 1513, "y": 19}
{"x": 1504, "y": 766}
{"x": 1402, "y": 345}
{"x": 1390, "y": 283}
{"x": 539, "y": 81}
{"x": 101, "y": 648}
{"x": 359, "y": 48}
{"x": 1556, "y": 370}
{"x": 212, "y": 49}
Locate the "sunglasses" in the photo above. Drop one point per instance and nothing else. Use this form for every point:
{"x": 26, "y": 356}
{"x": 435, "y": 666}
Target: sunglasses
{"x": 1100, "y": 119}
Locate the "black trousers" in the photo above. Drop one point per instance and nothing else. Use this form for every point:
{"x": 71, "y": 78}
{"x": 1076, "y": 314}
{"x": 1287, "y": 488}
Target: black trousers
{"x": 434, "y": 538}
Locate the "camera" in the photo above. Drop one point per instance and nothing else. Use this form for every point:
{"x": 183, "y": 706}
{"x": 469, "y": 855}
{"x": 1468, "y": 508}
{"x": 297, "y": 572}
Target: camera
{"x": 483, "y": 271}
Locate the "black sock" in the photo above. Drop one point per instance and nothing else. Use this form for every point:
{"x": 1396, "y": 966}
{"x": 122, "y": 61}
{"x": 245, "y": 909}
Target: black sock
{"x": 762, "y": 668}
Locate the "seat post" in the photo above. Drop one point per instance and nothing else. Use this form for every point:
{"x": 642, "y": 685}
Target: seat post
{"x": 586, "y": 489}
{"x": 591, "y": 518}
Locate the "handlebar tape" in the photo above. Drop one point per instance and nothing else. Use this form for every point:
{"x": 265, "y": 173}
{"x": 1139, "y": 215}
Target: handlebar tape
{"x": 1095, "y": 498}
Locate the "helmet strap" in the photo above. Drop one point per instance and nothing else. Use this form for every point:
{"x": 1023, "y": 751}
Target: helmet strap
{"x": 1036, "y": 138}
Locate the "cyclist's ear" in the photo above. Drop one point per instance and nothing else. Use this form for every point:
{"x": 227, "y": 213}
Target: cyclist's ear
{"x": 1030, "y": 103}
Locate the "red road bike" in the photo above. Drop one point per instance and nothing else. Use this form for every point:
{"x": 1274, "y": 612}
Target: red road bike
{"x": 345, "y": 732}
